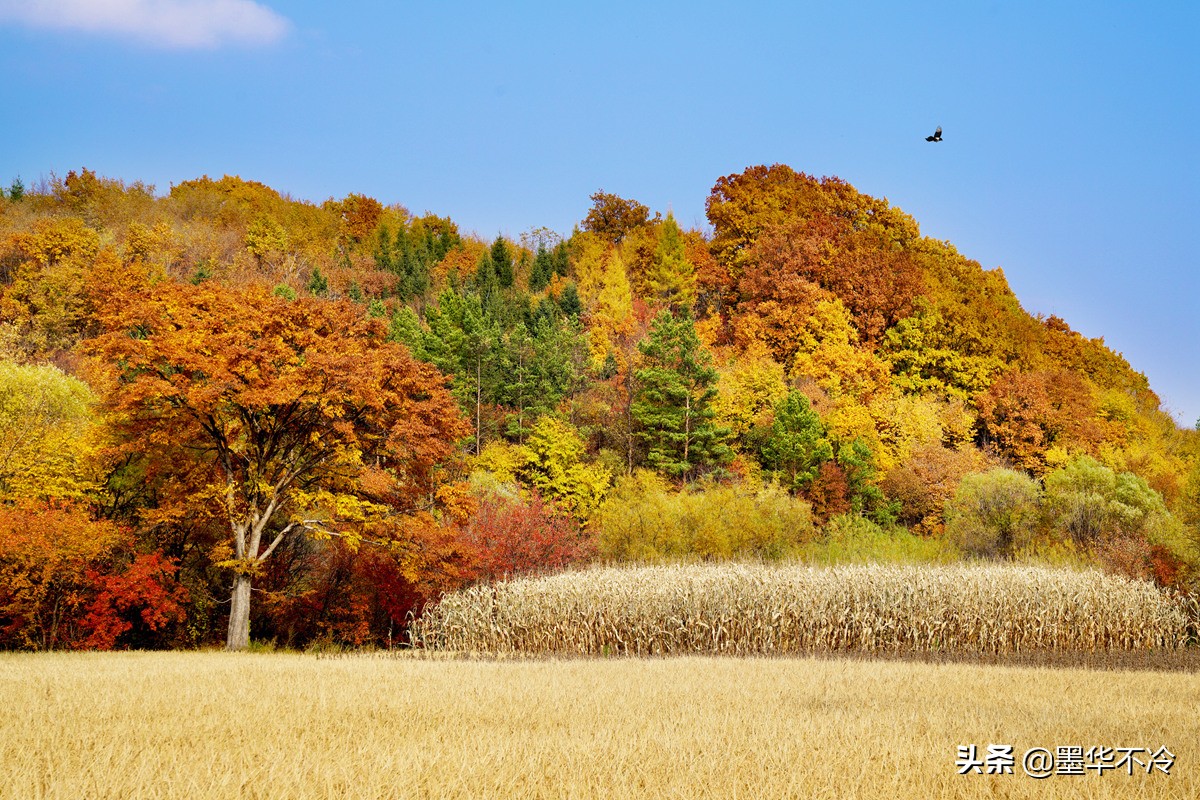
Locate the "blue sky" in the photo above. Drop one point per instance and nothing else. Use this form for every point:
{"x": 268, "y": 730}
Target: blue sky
{"x": 1070, "y": 153}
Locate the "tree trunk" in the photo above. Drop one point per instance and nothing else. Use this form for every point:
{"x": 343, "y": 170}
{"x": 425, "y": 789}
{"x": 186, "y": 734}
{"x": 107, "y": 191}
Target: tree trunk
{"x": 239, "y": 614}
{"x": 478, "y": 402}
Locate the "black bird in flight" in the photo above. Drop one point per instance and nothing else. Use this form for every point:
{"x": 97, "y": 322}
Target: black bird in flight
{"x": 937, "y": 135}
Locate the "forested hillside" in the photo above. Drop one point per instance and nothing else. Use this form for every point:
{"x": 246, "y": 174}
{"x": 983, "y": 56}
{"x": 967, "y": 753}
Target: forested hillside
{"x": 225, "y": 413}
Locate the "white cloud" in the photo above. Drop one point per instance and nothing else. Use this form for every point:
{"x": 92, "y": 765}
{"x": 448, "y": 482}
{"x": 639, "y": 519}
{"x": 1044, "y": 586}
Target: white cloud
{"x": 164, "y": 23}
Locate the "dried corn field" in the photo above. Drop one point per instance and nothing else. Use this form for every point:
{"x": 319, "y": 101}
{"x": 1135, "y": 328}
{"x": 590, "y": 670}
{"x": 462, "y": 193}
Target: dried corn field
{"x": 747, "y": 609}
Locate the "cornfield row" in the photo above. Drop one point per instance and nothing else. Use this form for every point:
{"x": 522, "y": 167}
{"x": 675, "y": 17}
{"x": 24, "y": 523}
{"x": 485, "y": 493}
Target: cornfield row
{"x": 743, "y": 609}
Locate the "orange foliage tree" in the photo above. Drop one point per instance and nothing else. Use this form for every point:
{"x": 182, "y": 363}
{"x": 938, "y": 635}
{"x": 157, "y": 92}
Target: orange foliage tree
{"x": 306, "y": 417}
{"x": 1024, "y": 414}
{"x": 67, "y": 580}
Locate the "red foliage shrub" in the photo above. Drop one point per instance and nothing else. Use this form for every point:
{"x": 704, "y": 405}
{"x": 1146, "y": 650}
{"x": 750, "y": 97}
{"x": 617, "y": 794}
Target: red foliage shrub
{"x": 142, "y": 593}
{"x": 1165, "y": 567}
{"x": 328, "y": 591}
{"x": 68, "y": 581}
{"x": 829, "y": 492}
{"x": 1134, "y": 557}
{"x": 512, "y": 537}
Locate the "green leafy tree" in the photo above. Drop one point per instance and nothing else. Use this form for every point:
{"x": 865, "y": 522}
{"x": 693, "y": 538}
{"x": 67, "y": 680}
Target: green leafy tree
{"x": 674, "y": 399}
{"x": 1091, "y": 502}
{"x": 502, "y": 263}
{"x": 797, "y": 445}
{"x": 994, "y": 513}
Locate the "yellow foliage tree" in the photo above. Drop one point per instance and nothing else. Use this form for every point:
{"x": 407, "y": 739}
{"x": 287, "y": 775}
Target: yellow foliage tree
{"x": 749, "y": 386}
{"x": 47, "y": 433}
{"x": 828, "y": 353}
{"x": 551, "y": 462}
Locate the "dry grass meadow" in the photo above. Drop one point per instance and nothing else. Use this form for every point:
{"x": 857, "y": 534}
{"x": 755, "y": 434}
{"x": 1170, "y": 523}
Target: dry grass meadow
{"x": 267, "y": 725}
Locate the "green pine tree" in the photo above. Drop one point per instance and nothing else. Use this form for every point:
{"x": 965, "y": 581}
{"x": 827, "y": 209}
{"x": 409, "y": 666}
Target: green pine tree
{"x": 318, "y": 284}
{"x": 866, "y": 498}
{"x": 797, "y": 446}
{"x": 502, "y": 263}
{"x": 673, "y": 402}
{"x": 569, "y": 301}
{"x": 464, "y": 341}
{"x": 561, "y": 260}
{"x": 543, "y": 270}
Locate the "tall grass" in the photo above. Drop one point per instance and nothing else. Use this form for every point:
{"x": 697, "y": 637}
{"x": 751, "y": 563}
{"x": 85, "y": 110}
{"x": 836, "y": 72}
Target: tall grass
{"x": 745, "y": 609}
{"x": 220, "y": 726}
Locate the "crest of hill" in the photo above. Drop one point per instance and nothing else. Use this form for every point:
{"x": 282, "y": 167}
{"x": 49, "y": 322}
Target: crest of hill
{"x": 781, "y": 222}
{"x": 783, "y": 242}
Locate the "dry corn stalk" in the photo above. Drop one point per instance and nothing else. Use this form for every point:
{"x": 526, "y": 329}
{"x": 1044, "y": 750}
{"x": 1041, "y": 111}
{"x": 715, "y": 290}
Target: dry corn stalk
{"x": 763, "y": 609}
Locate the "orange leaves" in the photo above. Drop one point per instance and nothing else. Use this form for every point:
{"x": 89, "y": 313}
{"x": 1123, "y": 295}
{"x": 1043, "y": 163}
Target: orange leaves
{"x": 282, "y": 402}
{"x": 612, "y": 217}
{"x": 1025, "y": 414}
{"x": 788, "y": 262}
{"x": 69, "y": 581}
{"x": 360, "y": 214}
{"x": 742, "y": 207}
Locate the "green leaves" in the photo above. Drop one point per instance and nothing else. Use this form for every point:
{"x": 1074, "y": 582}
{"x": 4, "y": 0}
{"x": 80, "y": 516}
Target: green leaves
{"x": 797, "y": 445}
{"x": 677, "y": 386}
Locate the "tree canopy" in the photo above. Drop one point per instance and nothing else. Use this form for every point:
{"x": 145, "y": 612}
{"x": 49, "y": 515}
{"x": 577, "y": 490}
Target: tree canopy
{"x": 351, "y": 407}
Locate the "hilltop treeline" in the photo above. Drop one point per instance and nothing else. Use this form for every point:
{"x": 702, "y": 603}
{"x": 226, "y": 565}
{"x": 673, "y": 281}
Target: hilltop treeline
{"x": 229, "y": 413}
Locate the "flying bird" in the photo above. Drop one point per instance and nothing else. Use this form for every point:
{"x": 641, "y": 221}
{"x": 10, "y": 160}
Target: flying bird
{"x": 937, "y": 135}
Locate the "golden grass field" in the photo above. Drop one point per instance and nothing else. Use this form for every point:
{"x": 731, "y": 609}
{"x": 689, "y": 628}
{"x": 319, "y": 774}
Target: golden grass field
{"x": 268, "y": 725}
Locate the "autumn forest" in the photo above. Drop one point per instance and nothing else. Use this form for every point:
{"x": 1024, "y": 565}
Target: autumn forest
{"x": 228, "y": 416}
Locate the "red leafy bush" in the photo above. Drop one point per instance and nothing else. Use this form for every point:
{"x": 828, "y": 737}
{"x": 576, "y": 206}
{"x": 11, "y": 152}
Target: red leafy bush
{"x": 68, "y": 581}
{"x": 515, "y": 537}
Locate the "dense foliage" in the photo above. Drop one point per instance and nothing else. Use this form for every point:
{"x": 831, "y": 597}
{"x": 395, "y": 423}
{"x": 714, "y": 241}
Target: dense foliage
{"x": 350, "y": 408}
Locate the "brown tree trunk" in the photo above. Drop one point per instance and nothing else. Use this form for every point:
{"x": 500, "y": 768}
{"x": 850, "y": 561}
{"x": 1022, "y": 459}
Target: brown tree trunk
{"x": 478, "y": 402}
{"x": 239, "y": 614}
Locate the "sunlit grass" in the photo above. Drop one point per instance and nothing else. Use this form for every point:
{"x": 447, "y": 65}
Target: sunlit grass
{"x": 213, "y": 725}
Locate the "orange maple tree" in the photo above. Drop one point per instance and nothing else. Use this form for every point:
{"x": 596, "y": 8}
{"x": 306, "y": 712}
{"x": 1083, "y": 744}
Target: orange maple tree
{"x": 70, "y": 581}
{"x": 306, "y": 417}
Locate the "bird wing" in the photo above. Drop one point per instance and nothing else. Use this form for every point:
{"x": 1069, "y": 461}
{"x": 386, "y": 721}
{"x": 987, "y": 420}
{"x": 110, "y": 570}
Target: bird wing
{"x": 938, "y": 133}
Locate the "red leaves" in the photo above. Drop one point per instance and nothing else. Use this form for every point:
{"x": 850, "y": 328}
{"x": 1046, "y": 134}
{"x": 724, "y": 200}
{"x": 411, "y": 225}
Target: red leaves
{"x": 69, "y": 581}
{"x": 514, "y": 537}
{"x": 143, "y": 592}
